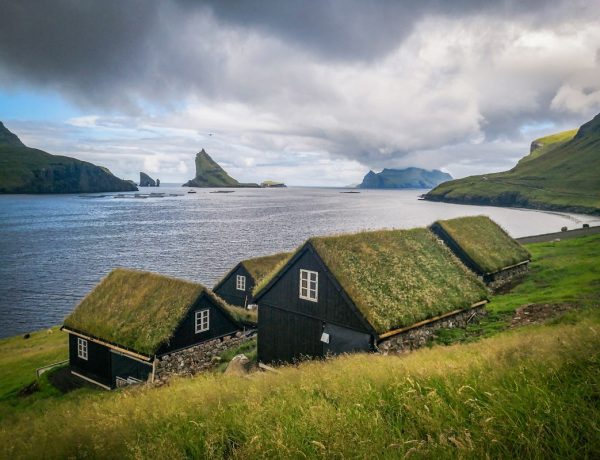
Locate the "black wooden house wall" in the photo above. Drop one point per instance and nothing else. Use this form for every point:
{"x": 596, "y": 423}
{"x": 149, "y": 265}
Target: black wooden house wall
{"x": 227, "y": 288}
{"x": 104, "y": 364}
{"x": 290, "y": 328}
{"x": 124, "y": 366}
{"x": 97, "y": 366}
{"x": 185, "y": 335}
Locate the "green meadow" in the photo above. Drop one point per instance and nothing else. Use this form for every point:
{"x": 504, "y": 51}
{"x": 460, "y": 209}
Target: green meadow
{"x": 527, "y": 392}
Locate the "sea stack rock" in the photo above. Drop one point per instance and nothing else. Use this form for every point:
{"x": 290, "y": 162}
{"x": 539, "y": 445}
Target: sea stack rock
{"x": 146, "y": 180}
{"x": 210, "y": 174}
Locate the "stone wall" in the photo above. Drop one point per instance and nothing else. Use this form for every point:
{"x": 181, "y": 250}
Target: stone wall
{"x": 497, "y": 280}
{"x": 419, "y": 336}
{"x": 198, "y": 358}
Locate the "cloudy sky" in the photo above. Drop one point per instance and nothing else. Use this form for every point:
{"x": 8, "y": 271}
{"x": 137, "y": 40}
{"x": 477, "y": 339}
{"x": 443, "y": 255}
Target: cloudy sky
{"x": 312, "y": 93}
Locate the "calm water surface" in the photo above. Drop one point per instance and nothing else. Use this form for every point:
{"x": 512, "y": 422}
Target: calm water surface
{"x": 54, "y": 249}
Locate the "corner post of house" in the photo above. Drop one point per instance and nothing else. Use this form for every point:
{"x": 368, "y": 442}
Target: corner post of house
{"x": 154, "y": 362}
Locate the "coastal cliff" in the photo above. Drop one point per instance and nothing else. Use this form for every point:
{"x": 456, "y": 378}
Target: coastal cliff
{"x": 404, "y": 178}
{"x": 27, "y": 170}
{"x": 561, "y": 173}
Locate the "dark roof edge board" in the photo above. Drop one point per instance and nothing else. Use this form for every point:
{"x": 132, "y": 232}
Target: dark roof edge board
{"x": 112, "y": 345}
{"x": 394, "y": 332}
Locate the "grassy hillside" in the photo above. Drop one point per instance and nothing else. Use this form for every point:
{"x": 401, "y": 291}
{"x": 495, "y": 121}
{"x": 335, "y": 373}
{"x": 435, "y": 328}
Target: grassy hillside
{"x": 546, "y": 144}
{"x": 563, "y": 173}
{"x": 527, "y": 393}
{"x": 27, "y": 170}
{"x": 19, "y": 358}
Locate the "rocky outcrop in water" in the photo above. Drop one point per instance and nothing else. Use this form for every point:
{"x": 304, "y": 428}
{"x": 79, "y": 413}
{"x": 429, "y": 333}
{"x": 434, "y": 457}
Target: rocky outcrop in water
{"x": 147, "y": 181}
{"x": 210, "y": 174}
{"x": 404, "y": 178}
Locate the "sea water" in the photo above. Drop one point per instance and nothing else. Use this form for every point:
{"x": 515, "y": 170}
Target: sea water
{"x": 55, "y": 248}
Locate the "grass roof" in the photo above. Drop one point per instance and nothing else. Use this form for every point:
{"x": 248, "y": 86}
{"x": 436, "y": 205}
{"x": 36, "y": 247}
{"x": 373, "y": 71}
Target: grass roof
{"x": 262, "y": 266}
{"x": 138, "y": 310}
{"x": 399, "y": 277}
{"x": 485, "y": 242}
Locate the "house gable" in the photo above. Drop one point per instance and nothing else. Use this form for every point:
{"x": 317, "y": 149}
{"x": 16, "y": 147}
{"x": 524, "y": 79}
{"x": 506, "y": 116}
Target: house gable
{"x": 228, "y": 291}
{"x": 333, "y": 305}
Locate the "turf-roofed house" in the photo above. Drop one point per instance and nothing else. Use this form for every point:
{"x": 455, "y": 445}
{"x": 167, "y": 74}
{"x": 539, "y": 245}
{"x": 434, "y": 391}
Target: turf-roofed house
{"x": 237, "y": 285}
{"x": 383, "y": 290}
{"x": 485, "y": 248}
{"x": 130, "y": 327}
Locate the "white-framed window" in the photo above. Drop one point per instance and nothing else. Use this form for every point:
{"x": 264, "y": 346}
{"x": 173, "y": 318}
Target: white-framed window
{"x": 82, "y": 348}
{"x": 240, "y": 282}
{"x": 309, "y": 285}
{"x": 202, "y": 321}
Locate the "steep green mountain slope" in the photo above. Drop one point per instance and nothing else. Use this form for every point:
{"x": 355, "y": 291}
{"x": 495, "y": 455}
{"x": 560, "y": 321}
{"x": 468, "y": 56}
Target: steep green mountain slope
{"x": 404, "y": 178}
{"x": 210, "y": 174}
{"x": 561, "y": 173}
{"x": 27, "y": 170}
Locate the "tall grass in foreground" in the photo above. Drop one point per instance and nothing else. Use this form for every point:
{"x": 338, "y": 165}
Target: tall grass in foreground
{"x": 533, "y": 393}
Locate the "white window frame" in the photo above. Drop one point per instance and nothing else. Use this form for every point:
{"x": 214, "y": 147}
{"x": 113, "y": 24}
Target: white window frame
{"x": 202, "y": 321}
{"x": 240, "y": 282}
{"x": 308, "y": 290}
{"x": 82, "y": 348}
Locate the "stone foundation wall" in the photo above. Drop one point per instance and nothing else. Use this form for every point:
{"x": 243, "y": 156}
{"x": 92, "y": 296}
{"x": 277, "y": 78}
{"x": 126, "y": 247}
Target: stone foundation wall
{"x": 199, "y": 358}
{"x": 497, "y": 280}
{"x": 418, "y": 337}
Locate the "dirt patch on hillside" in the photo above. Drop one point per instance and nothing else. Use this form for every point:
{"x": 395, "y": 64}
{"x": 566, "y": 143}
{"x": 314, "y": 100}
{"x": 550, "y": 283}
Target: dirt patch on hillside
{"x": 537, "y": 313}
{"x": 28, "y": 390}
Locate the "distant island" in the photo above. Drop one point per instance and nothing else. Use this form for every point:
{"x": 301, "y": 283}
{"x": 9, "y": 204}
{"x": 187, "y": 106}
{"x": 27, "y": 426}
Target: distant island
{"x": 561, "y": 173}
{"x": 210, "y": 174}
{"x": 147, "y": 181}
{"x": 404, "y": 178}
{"x": 27, "y": 170}
{"x": 272, "y": 184}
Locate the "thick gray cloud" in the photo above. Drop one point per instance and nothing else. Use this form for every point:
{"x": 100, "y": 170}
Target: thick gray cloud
{"x": 436, "y": 83}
